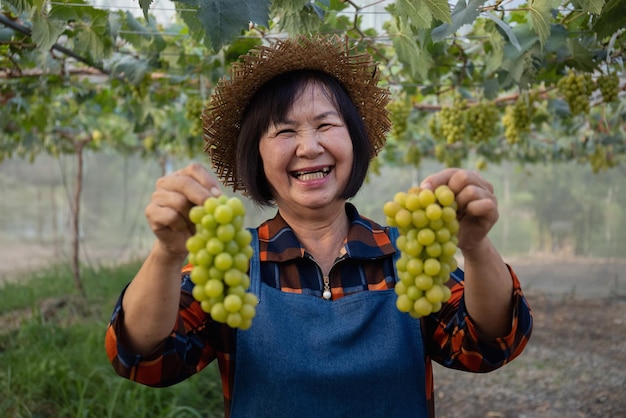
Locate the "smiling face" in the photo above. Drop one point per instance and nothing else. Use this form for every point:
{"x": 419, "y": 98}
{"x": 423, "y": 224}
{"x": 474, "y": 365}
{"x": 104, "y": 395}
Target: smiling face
{"x": 307, "y": 157}
{"x": 272, "y": 104}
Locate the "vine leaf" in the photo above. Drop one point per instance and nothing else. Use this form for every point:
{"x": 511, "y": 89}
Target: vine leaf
{"x": 462, "y": 14}
{"x": 409, "y": 53}
{"x": 46, "y": 31}
{"x": 592, "y": 6}
{"x": 612, "y": 18}
{"x": 505, "y": 28}
{"x": 223, "y": 20}
{"x": 540, "y": 17}
{"x": 145, "y": 7}
{"x": 415, "y": 11}
{"x": 440, "y": 10}
{"x": 92, "y": 38}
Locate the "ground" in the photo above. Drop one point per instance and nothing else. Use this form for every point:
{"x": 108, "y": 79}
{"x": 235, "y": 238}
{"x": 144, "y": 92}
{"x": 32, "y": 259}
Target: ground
{"x": 574, "y": 365}
{"x": 575, "y": 362}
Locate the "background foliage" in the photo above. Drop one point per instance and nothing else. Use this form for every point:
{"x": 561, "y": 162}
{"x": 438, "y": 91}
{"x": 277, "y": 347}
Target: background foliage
{"x": 475, "y": 82}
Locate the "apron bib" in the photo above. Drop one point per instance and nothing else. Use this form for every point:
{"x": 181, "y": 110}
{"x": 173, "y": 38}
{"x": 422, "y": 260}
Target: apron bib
{"x": 308, "y": 357}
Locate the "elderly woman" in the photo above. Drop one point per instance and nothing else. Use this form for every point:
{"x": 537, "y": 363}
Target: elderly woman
{"x": 295, "y": 126}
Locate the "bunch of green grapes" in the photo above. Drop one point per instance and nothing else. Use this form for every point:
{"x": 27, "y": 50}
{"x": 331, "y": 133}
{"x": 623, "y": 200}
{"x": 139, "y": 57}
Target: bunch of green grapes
{"x": 193, "y": 112}
{"x": 451, "y": 121}
{"x": 609, "y": 86}
{"x": 517, "y": 119}
{"x": 220, "y": 252}
{"x": 602, "y": 158}
{"x": 576, "y": 89}
{"x": 428, "y": 228}
{"x": 399, "y": 111}
{"x": 482, "y": 119}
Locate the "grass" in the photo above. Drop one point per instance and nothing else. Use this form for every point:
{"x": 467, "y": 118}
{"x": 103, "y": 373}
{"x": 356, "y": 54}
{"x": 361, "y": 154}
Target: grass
{"x": 54, "y": 365}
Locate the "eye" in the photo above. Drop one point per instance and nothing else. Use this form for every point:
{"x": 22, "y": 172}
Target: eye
{"x": 285, "y": 132}
{"x": 324, "y": 126}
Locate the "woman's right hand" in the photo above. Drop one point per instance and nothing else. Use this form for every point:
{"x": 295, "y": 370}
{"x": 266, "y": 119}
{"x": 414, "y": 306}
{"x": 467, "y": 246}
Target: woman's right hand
{"x": 168, "y": 210}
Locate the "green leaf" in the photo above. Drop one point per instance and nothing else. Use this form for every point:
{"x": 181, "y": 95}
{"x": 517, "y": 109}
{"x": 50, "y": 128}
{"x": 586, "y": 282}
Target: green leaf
{"x": 46, "y": 31}
{"x": 540, "y": 18}
{"x": 462, "y": 14}
{"x": 39, "y": 5}
{"x": 225, "y": 19}
{"x": 145, "y": 6}
{"x": 611, "y": 19}
{"x": 189, "y": 15}
{"x": 20, "y": 6}
{"x": 416, "y": 11}
{"x": 409, "y": 53}
{"x": 62, "y": 12}
{"x": 128, "y": 68}
{"x": 505, "y": 28}
{"x": 92, "y": 38}
{"x": 440, "y": 9}
{"x": 580, "y": 57}
{"x": 592, "y": 6}
{"x": 296, "y": 16}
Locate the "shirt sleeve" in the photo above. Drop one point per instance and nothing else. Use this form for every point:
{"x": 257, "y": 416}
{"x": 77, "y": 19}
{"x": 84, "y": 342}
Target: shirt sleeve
{"x": 457, "y": 343}
{"x": 193, "y": 343}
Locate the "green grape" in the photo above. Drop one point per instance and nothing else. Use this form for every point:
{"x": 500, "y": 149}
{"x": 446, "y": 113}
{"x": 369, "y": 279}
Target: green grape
{"x": 220, "y": 253}
{"x": 427, "y": 247}
{"x": 193, "y": 112}
{"x": 482, "y": 119}
{"x": 196, "y": 213}
{"x": 517, "y": 119}
{"x": 214, "y": 288}
{"x": 609, "y": 86}
{"x": 576, "y": 89}
{"x": 399, "y": 111}
{"x": 422, "y": 307}
{"x": 451, "y": 121}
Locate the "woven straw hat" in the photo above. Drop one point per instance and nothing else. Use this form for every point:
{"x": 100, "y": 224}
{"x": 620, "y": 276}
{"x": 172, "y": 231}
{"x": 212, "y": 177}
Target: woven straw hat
{"x": 358, "y": 73}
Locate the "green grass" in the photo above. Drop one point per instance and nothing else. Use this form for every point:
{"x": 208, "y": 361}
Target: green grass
{"x": 57, "y": 367}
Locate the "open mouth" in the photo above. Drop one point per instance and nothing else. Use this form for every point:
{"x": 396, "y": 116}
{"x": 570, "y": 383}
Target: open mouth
{"x": 311, "y": 175}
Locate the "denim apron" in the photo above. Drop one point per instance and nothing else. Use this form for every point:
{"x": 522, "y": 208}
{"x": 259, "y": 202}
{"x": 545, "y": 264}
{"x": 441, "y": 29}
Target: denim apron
{"x": 357, "y": 356}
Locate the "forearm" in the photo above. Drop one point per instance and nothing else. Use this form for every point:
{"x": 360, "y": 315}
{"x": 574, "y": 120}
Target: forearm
{"x": 151, "y": 302}
{"x": 488, "y": 290}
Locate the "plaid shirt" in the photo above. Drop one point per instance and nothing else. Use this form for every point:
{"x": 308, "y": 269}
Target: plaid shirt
{"x": 366, "y": 263}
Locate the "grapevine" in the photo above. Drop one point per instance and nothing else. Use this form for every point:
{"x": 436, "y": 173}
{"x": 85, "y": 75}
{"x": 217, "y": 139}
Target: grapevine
{"x": 428, "y": 228}
{"x": 576, "y": 89}
{"x": 220, "y": 252}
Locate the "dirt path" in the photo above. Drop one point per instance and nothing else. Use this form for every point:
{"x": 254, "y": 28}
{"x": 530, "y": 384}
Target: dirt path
{"x": 574, "y": 366}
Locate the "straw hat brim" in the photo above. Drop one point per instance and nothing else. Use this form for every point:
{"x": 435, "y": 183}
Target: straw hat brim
{"x": 357, "y": 72}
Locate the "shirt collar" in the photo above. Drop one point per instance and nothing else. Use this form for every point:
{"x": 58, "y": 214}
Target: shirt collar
{"x": 366, "y": 239}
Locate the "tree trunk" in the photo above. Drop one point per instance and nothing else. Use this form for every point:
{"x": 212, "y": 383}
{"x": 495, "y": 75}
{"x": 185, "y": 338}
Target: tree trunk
{"x": 80, "y": 146}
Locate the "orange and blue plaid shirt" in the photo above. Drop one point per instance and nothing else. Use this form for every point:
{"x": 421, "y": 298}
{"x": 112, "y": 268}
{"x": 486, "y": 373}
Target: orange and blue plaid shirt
{"x": 365, "y": 264}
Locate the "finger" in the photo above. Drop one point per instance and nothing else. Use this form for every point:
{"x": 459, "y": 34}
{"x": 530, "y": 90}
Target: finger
{"x": 198, "y": 172}
{"x": 437, "y": 179}
{"x": 482, "y": 208}
{"x": 462, "y": 179}
{"x": 194, "y": 186}
{"x": 473, "y": 193}
{"x": 169, "y": 209}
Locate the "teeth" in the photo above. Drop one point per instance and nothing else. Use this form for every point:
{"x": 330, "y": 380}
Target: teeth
{"x": 313, "y": 175}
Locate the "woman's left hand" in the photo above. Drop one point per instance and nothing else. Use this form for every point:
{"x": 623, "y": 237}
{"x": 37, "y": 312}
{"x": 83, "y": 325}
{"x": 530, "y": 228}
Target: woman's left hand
{"x": 477, "y": 205}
